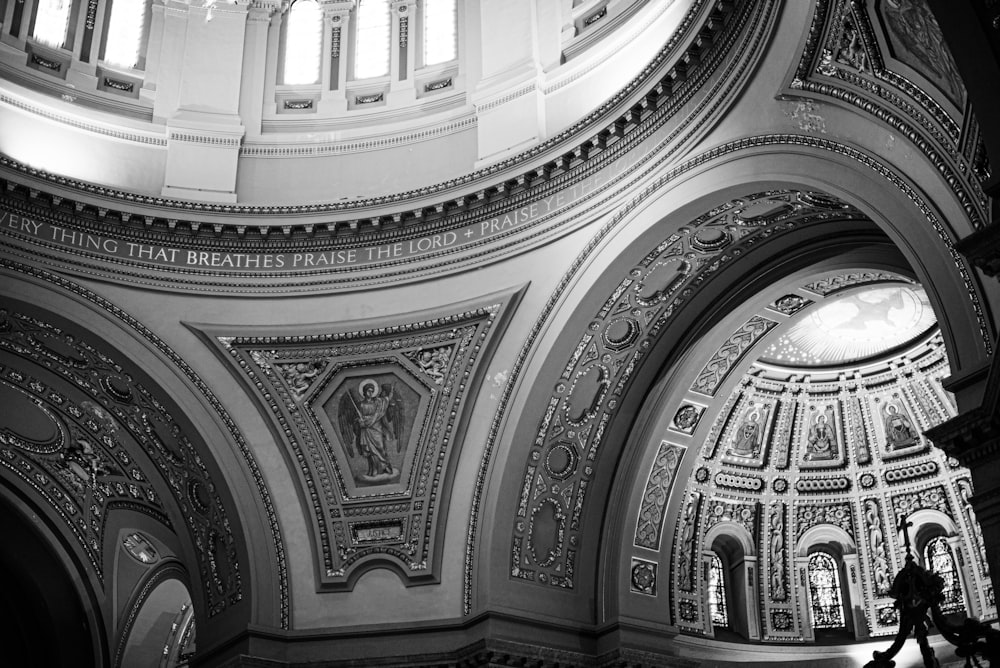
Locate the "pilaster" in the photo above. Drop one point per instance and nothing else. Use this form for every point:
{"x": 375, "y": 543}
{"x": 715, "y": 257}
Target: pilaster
{"x": 337, "y": 16}
{"x": 205, "y": 129}
{"x": 508, "y": 99}
{"x": 404, "y": 53}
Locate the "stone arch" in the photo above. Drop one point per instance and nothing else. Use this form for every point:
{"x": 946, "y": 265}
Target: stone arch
{"x": 180, "y": 424}
{"x": 734, "y": 544}
{"x": 889, "y": 205}
{"x": 49, "y": 603}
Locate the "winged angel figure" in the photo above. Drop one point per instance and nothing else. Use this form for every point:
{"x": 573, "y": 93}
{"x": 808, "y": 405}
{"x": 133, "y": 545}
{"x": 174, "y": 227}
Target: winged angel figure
{"x": 372, "y": 424}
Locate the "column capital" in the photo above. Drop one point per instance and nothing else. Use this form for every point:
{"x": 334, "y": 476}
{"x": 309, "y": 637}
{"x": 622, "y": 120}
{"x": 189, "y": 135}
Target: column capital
{"x": 338, "y": 8}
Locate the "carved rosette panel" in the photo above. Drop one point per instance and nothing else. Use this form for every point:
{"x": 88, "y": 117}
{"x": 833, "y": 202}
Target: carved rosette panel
{"x": 600, "y": 368}
{"x": 371, "y": 421}
{"x": 89, "y": 438}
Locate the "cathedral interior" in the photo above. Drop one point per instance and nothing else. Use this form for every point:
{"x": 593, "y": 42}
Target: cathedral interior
{"x": 537, "y": 333}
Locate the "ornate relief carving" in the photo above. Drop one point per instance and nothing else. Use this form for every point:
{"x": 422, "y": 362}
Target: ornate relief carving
{"x": 371, "y": 422}
{"x": 837, "y": 514}
{"x": 686, "y": 418}
{"x": 790, "y": 304}
{"x": 878, "y": 556}
{"x": 721, "y": 510}
{"x": 935, "y": 498}
{"x": 839, "y": 282}
{"x": 643, "y": 576}
{"x": 777, "y": 553}
{"x": 687, "y": 530}
{"x": 118, "y": 388}
{"x": 659, "y": 484}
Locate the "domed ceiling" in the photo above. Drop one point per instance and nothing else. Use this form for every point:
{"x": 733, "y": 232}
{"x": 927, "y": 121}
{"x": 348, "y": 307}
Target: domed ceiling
{"x": 818, "y": 447}
{"x": 852, "y": 327}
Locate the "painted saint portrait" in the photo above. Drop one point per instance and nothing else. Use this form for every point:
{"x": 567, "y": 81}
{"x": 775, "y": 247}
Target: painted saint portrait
{"x": 899, "y": 431}
{"x": 821, "y": 442}
{"x": 750, "y": 434}
{"x": 373, "y": 418}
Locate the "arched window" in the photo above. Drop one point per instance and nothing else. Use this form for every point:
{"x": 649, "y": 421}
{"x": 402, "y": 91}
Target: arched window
{"x": 717, "y": 592}
{"x": 126, "y": 27}
{"x": 371, "y": 48}
{"x": 52, "y": 22}
{"x": 825, "y": 599}
{"x": 439, "y": 31}
{"x": 938, "y": 558}
{"x": 303, "y": 43}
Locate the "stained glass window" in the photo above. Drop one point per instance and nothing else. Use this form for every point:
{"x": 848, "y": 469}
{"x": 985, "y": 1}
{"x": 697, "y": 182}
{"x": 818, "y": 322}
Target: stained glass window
{"x": 717, "y": 593}
{"x": 439, "y": 31}
{"x": 371, "y": 52}
{"x": 303, "y": 43}
{"x": 51, "y": 21}
{"x": 125, "y": 29}
{"x": 824, "y": 592}
{"x": 938, "y": 558}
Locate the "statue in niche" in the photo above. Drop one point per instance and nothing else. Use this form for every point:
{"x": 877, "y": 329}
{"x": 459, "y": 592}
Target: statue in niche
{"x": 371, "y": 423}
{"x": 778, "y": 592}
{"x": 748, "y": 436}
{"x": 821, "y": 444}
{"x": 899, "y": 431}
{"x": 880, "y": 564}
{"x": 687, "y": 544}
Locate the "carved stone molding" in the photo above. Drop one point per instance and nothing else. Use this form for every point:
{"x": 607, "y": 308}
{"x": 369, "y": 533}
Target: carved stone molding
{"x": 372, "y": 419}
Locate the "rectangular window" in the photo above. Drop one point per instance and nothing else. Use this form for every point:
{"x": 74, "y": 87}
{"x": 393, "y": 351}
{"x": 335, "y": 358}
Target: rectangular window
{"x": 439, "y": 31}
{"x": 371, "y": 49}
{"x": 51, "y": 22}
{"x": 125, "y": 33}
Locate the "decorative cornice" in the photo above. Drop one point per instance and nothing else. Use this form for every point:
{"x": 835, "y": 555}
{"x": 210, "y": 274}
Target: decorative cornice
{"x": 594, "y": 135}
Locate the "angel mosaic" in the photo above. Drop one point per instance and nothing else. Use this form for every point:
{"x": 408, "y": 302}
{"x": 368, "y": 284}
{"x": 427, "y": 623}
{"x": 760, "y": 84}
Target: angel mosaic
{"x": 371, "y": 426}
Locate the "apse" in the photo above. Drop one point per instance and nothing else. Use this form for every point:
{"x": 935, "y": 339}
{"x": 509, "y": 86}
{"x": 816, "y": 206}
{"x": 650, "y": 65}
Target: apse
{"x": 804, "y": 433}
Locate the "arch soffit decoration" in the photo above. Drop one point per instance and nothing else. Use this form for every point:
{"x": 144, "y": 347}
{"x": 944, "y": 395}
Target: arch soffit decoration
{"x": 559, "y": 435}
{"x": 953, "y": 288}
{"x": 228, "y": 584}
